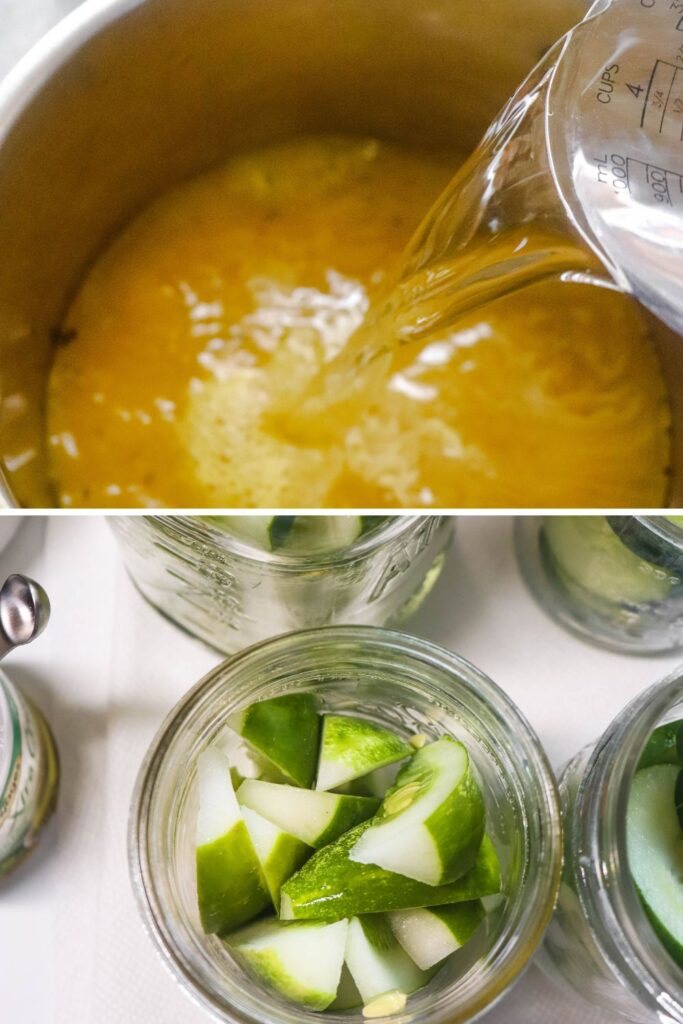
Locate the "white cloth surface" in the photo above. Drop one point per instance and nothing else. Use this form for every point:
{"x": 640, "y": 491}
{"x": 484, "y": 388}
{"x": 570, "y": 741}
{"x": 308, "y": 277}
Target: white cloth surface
{"x": 109, "y": 668}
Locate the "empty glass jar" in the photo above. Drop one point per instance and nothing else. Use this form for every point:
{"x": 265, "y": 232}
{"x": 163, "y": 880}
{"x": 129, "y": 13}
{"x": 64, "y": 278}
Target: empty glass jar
{"x": 232, "y": 593}
{"x": 615, "y": 580}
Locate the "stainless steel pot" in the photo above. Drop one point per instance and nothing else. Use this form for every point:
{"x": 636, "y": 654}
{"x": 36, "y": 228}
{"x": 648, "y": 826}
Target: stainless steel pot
{"x": 126, "y": 97}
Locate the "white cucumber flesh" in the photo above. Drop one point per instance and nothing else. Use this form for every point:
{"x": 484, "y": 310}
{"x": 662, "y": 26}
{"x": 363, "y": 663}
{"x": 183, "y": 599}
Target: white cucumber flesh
{"x": 431, "y": 823}
{"x": 655, "y": 852}
{"x": 430, "y": 935}
{"x": 377, "y": 962}
{"x": 300, "y": 960}
{"x": 314, "y": 817}
{"x": 353, "y": 747}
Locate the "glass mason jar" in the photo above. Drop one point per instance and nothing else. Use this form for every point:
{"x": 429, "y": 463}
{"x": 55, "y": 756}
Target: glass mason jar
{"x": 407, "y": 684}
{"x": 232, "y": 593}
{"x": 614, "y": 580}
{"x": 600, "y": 940}
{"x": 29, "y": 775}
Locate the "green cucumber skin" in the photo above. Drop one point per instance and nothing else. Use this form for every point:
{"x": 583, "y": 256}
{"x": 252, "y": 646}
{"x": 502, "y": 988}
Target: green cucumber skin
{"x": 464, "y": 812}
{"x": 377, "y": 931}
{"x": 674, "y": 947}
{"x": 289, "y": 855}
{"x": 665, "y": 746}
{"x": 360, "y": 746}
{"x": 352, "y": 811}
{"x": 461, "y": 919}
{"x": 279, "y": 530}
{"x": 231, "y": 888}
{"x": 653, "y": 843}
{"x": 330, "y": 886}
{"x": 678, "y": 797}
{"x": 290, "y": 724}
{"x": 267, "y": 970}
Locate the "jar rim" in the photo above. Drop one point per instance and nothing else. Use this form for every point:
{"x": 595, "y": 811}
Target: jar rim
{"x": 395, "y": 526}
{"x": 605, "y": 887}
{"x": 542, "y": 825}
{"x": 663, "y": 529}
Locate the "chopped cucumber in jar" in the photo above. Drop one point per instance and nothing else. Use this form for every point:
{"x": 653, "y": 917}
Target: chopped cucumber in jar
{"x": 655, "y": 851}
{"x": 315, "y": 817}
{"x": 303, "y": 535}
{"x": 348, "y": 933}
{"x": 354, "y": 747}
{"x": 586, "y": 551}
{"x": 301, "y": 960}
{"x": 376, "y": 960}
{"x": 231, "y": 886}
{"x": 431, "y": 823}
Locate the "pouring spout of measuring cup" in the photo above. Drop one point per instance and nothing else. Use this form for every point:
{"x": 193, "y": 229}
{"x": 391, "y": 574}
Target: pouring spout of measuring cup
{"x": 24, "y": 612}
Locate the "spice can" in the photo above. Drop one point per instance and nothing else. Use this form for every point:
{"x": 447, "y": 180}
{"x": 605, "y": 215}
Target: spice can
{"x": 29, "y": 775}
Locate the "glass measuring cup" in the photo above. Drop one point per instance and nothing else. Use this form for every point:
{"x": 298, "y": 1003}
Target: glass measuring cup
{"x": 579, "y": 178}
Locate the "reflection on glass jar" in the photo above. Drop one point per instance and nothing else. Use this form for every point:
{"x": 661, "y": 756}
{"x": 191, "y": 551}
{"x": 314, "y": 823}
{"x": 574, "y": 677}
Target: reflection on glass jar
{"x": 29, "y": 775}
{"x": 233, "y": 589}
{"x": 614, "y": 580}
{"x": 600, "y": 940}
{"x": 408, "y": 685}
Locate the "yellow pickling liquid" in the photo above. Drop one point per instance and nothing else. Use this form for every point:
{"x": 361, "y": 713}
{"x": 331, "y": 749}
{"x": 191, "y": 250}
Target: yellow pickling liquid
{"x": 206, "y": 333}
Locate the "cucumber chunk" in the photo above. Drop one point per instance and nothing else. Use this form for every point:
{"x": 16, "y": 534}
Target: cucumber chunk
{"x": 587, "y": 551}
{"x": 377, "y": 961}
{"x": 665, "y": 746}
{"x": 231, "y": 887}
{"x": 352, "y": 747}
{"x": 375, "y": 783}
{"x": 678, "y": 797}
{"x": 429, "y": 935}
{"x": 314, "y": 534}
{"x": 254, "y": 529}
{"x": 286, "y": 732}
{"x": 331, "y": 886}
{"x": 315, "y": 817}
{"x": 298, "y": 534}
{"x": 301, "y": 960}
{"x": 279, "y": 853}
{"x": 431, "y": 823}
{"x": 655, "y": 848}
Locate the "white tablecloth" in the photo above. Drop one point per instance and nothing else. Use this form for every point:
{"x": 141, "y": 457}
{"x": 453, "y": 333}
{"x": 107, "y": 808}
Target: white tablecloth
{"x": 108, "y": 668}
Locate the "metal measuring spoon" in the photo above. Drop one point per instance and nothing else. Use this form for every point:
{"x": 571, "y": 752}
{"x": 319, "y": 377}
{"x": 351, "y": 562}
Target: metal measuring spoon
{"x": 24, "y": 612}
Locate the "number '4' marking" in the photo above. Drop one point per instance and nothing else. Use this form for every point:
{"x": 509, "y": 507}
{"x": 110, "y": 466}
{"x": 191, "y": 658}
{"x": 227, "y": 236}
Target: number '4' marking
{"x": 635, "y": 89}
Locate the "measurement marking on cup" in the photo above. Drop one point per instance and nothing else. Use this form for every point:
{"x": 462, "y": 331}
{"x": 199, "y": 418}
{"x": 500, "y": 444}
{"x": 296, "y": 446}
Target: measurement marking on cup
{"x": 664, "y": 96}
{"x": 630, "y": 175}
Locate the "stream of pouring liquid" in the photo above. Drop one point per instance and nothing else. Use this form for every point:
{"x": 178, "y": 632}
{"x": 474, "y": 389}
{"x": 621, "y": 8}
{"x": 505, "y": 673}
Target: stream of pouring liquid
{"x": 498, "y": 228}
{"x": 427, "y": 303}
